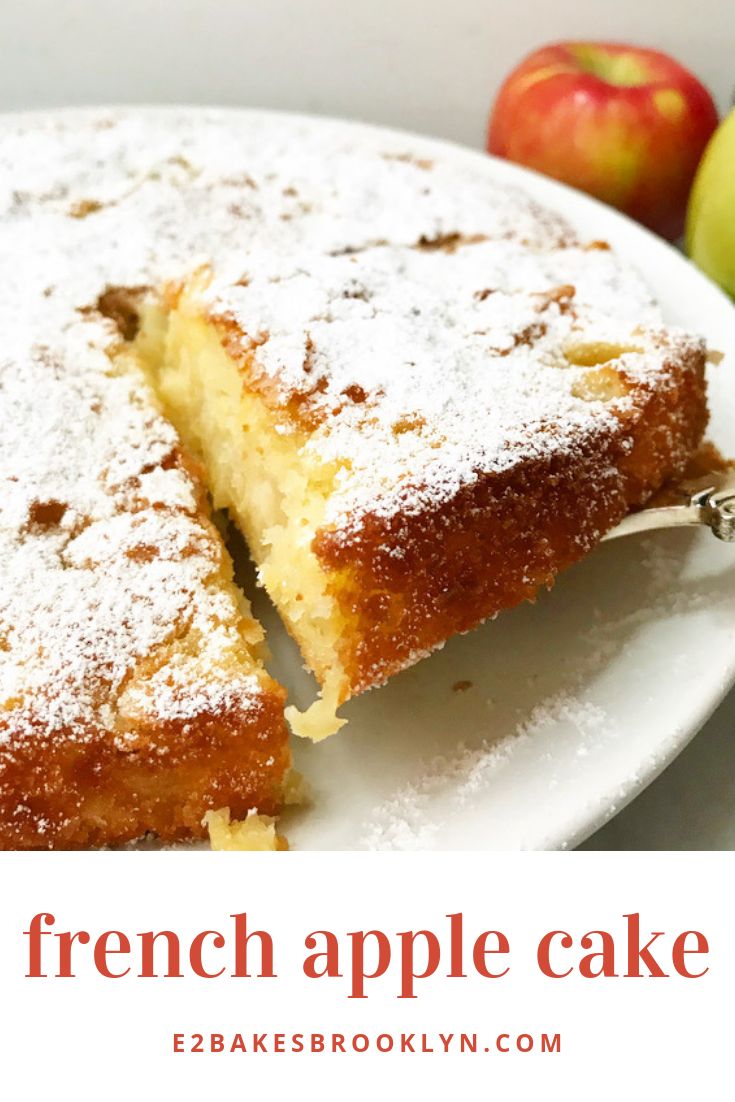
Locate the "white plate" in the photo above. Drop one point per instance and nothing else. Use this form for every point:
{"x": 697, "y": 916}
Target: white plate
{"x": 576, "y": 703}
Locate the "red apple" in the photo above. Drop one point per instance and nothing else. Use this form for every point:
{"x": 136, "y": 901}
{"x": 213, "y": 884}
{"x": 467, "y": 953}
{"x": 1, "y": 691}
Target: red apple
{"x": 623, "y": 123}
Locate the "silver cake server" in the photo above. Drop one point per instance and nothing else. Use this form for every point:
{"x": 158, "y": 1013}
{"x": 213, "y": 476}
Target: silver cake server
{"x": 713, "y": 508}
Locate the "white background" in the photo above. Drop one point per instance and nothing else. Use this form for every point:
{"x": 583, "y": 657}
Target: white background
{"x": 428, "y": 65}
{"x": 91, "y": 1038}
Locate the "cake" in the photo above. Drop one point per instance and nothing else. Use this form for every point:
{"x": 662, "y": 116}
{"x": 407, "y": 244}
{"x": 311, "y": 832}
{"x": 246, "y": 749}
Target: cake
{"x": 413, "y": 439}
{"x": 417, "y": 393}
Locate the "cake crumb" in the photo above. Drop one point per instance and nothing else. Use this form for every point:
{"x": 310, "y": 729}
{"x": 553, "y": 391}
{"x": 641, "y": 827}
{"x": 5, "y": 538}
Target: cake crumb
{"x": 461, "y": 686}
{"x": 255, "y": 832}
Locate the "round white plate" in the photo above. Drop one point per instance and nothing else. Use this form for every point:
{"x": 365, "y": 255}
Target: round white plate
{"x": 535, "y": 729}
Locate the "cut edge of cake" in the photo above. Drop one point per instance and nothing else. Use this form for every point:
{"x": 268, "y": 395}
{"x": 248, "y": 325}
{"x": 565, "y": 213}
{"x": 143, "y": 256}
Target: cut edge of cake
{"x": 275, "y": 498}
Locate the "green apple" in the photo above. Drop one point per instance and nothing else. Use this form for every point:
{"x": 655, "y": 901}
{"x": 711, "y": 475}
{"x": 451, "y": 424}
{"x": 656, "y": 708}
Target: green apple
{"x": 710, "y": 231}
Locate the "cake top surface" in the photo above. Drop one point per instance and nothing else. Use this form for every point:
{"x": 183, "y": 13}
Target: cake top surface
{"x": 418, "y": 287}
{"x": 105, "y": 557}
{"x": 419, "y": 368}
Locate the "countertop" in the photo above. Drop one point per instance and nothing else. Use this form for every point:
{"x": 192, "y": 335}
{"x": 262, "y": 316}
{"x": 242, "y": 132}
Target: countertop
{"x": 692, "y": 804}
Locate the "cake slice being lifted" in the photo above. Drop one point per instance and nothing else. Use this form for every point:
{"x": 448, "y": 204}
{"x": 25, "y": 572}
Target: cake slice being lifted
{"x": 414, "y": 438}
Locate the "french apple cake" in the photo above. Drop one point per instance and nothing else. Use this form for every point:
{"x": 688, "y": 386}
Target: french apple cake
{"x": 417, "y": 393}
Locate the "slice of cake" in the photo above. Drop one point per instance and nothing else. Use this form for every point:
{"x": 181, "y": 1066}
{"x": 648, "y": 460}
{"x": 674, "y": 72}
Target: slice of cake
{"x": 412, "y": 439}
{"x": 133, "y": 697}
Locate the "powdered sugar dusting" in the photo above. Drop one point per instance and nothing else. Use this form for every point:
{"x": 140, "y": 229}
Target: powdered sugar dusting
{"x": 408, "y": 819}
{"x": 427, "y": 367}
{"x": 104, "y": 558}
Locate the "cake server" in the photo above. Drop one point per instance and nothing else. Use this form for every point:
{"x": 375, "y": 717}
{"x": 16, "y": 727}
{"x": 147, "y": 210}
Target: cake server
{"x": 713, "y": 508}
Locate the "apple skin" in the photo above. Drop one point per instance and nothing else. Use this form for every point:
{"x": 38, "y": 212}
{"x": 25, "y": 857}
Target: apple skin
{"x": 625, "y": 124}
{"x": 710, "y": 231}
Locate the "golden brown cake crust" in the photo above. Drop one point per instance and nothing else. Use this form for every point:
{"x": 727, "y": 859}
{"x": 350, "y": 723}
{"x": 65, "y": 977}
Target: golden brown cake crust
{"x": 505, "y": 536}
{"x": 78, "y": 790}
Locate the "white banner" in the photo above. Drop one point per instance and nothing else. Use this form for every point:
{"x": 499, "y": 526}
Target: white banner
{"x": 197, "y": 975}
